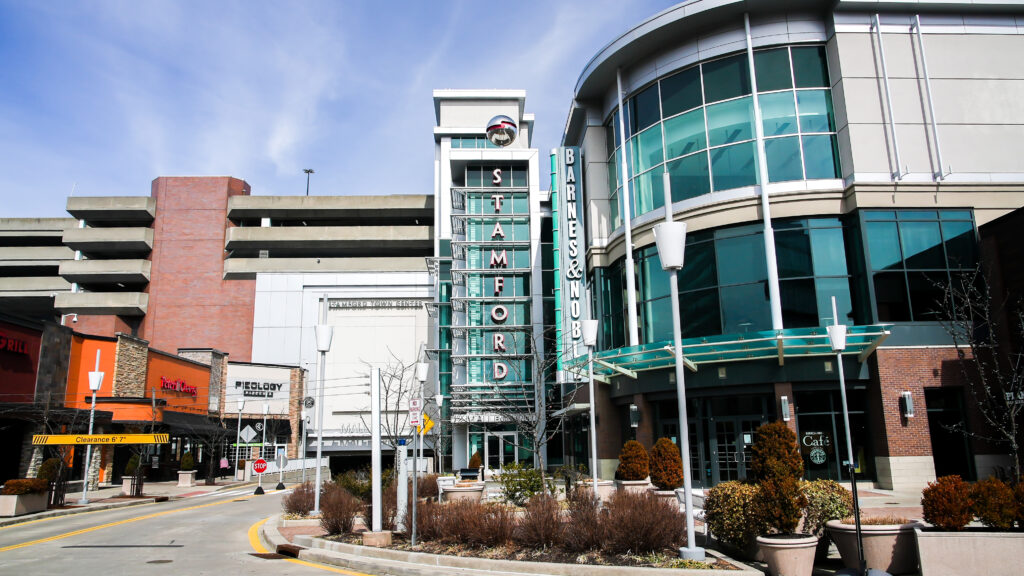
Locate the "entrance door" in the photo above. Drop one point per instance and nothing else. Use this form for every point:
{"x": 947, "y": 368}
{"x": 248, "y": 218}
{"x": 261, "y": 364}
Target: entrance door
{"x": 731, "y": 439}
{"x": 951, "y": 451}
{"x": 500, "y": 449}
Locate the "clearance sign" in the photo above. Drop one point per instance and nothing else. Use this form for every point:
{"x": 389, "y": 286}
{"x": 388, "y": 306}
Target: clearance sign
{"x": 80, "y": 439}
{"x": 571, "y": 301}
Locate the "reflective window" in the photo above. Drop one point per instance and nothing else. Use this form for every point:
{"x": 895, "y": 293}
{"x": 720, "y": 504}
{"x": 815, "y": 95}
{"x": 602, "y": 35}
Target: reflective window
{"x": 922, "y": 245}
{"x": 961, "y": 247}
{"x": 700, "y": 313}
{"x": 645, "y": 110}
{"x": 809, "y": 66}
{"x": 745, "y": 308}
{"x": 730, "y": 122}
{"x": 799, "y": 305}
{"x": 734, "y": 166}
{"x": 726, "y": 78}
{"x": 684, "y": 134}
{"x": 815, "y": 111}
{"x": 647, "y": 151}
{"x": 783, "y": 155}
{"x": 741, "y": 259}
{"x": 828, "y": 252}
{"x": 681, "y": 92}
{"x": 689, "y": 176}
{"x": 699, "y": 269}
{"x": 821, "y": 156}
{"x": 772, "y": 69}
{"x": 778, "y": 114}
{"x": 793, "y": 253}
{"x": 650, "y": 191}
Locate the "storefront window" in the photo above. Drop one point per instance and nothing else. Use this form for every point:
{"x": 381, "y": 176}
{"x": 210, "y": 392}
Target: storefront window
{"x": 822, "y": 436}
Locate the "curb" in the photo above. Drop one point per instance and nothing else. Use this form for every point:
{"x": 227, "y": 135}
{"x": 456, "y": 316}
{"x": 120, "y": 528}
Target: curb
{"x": 403, "y": 563}
{"x": 70, "y": 511}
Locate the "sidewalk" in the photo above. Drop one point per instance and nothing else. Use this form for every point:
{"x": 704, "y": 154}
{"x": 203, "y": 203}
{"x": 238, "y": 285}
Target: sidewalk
{"x": 107, "y": 497}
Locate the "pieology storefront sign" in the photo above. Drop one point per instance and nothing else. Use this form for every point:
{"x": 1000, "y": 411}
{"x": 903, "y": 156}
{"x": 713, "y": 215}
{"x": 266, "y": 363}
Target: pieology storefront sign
{"x": 256, "y": 385}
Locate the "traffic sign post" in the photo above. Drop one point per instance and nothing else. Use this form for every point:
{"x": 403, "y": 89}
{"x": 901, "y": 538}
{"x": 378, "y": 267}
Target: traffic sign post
{"x": 281, "y": 462}
{"x": 259, "y": 467}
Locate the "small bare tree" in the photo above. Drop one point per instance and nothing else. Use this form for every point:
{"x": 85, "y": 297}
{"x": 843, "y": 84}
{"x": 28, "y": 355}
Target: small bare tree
{"x": 987, "y": 332}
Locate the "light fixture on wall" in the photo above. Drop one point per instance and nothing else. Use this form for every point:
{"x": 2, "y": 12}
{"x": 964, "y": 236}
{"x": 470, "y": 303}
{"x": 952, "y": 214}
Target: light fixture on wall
{"x": 906, "y": 404}
{"x": 785, "y": 408}
{"x": 634, "y": 415}
{"x": 721, "y": 373}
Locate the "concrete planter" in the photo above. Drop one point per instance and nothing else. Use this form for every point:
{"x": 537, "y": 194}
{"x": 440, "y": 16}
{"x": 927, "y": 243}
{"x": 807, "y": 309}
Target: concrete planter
{"x": 473, "y": 492}
{"x": 887, "y": 547}
{"x": 788, "y": 554}
{"x": 979, "y": 551}
{"x": 16, "y": 505}
{"x": 186, "y": 478}
{"x": 605, "y": 488}
{"x": 666, "y": 496}
{"x": 634, "y": 486}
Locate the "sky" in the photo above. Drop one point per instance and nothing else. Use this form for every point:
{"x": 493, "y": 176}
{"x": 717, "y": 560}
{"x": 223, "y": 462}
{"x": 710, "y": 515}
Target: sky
{"x": 98, "y": 98}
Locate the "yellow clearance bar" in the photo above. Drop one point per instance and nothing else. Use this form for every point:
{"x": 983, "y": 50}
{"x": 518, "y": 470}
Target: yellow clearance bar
{"x": 80, "y": 439}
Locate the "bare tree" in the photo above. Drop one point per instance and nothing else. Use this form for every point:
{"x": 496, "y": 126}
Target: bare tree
{"x": 398, "y": 385}
{"x": 987, "y": 332}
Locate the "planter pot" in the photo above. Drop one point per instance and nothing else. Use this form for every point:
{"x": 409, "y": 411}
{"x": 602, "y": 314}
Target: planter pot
{"x": 474, "y": 492}
{"x": 975, "y": 551}
{"x": 186, "y": 478}
{"x": 634, "y": 486}
{"x": 696, "y": 497}
{"x": 666, "y": 496}
{"x": 887, "y": 547}
{"x": 11, "y": 505}
{"x": 605, "y": 488}
{"x": 788, "y": 554}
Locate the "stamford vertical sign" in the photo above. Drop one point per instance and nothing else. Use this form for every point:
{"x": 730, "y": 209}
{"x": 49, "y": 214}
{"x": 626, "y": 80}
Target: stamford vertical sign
{"x": 570, "y": 294}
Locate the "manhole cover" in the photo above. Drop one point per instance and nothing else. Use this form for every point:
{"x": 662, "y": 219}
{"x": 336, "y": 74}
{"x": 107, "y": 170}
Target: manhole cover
{"x": 159, "y": 561}
{"x": 267, "y": 555}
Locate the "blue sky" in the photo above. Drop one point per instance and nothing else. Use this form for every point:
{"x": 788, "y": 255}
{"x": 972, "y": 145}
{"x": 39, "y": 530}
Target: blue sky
{"x": 104, "y": 96}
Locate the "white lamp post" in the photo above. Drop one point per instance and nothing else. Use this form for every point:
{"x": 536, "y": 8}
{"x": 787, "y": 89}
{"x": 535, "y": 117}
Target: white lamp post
{"x": 422, "y": 369}
{"x": 837, "y": 340}
{"x": 305, "y": 425}
{"x": 263, "y": 447}
{"x": 238, "y": 437}
{"x": 670, "y": 237}
{"x": 590, "y": 340}
{"x": 324, "y": 335}
{"x": 95, "y": 381}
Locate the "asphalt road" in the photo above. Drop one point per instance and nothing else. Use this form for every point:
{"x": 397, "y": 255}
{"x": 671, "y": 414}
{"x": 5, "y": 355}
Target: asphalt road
{"x": 205, "y": 535}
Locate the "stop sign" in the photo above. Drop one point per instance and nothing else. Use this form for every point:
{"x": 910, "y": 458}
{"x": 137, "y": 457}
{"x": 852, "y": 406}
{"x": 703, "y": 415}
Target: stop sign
{"x": 259, "y": 466}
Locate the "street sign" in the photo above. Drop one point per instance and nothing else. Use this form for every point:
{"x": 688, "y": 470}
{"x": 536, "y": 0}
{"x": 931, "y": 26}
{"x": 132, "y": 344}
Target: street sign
{"x": 281, "y": 460}
{"x": 415, "y": 404}
{"x": 414, "y": 418}
{"x": 248, "y": 433}
{"x": 82, "y": 439}
{"x": 427, "y": 425}
{"x": 259, "y": 466}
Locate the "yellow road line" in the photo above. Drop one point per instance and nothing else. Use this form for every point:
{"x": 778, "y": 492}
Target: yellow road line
{"x": 112, "y": 524}
{"x": 254, "y": 540}
{"x": 76, "y": 514}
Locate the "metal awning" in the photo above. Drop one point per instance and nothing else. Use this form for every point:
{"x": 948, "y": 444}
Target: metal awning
{"x": 789, "y": 343}
{"x": 572, "y": 409}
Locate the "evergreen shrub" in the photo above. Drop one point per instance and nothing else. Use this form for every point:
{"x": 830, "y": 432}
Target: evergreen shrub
{"x": 187, "y": 463}
{"x": 50, "y": 469}
{"x": 633, "y": 462}
{"x": 22, "y": 486}
{"x": 947, "y": 503}
{"x": 994, "y": 504}
{"x": 520, "y": 483}
{"x": 775, "y": 453}
{"x": 732, "y": 513}
{"x": 666, "y": 465}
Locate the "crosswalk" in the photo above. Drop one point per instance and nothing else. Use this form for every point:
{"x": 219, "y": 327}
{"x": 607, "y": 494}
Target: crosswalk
{"x": 239, "y": 492}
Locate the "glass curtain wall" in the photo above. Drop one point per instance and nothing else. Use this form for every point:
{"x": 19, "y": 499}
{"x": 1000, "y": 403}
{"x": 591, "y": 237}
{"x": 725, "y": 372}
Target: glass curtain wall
{"x": 699, "y": 123}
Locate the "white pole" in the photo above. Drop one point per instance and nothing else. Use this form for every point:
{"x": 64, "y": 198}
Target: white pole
{"x": 692, "y": 551}
{"x": 375, "y": 459}
{"x": 238, "y": 438}
{"x": 263, "y": 450}
{"x": 304, "y": 426}
{"x": 323, "y": 347}
{"x": 634, "y": 331}
{"x": 88, "y": 448}
{"x": 593, "y": 421}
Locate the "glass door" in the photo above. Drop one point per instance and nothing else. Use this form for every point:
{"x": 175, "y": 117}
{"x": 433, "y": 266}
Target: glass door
{"x": 731, "y": 439}
{"x": 500, "y": 449}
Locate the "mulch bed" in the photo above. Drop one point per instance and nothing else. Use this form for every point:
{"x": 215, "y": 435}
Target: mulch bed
{"x": 668, "y": 558}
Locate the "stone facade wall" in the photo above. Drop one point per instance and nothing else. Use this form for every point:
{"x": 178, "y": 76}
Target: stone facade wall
{"x": 297, "y": 381}
{"x": 54, "y": 360}
{"x": 218, "y": 363}
{"x": 130, "y": 366}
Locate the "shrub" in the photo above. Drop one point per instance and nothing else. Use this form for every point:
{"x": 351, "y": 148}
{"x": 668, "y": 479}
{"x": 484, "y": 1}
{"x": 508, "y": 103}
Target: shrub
{"x": 775, "y": 453}
{"x": 301, "y": 500}
{"x": 732, "y": 513}
{"x": 584, "y": 529}
{"x": 187, "y": 462}
{"x": 21, "y": 486}
{"x": 426, "y": 486}
{"x": 541, "y": 524}
{"x": 666, "y": 465}
{"x": 50, "y": 469}
{"x": 466, "y": 522}
{"x": 389, "y": 506}
{"x": 1018, "y": 495}
{"x": 476, "y": 460}
{"x": 826, "y": 500}
{"x": 641, "y": 523}
{"x": 338, "y": 509}
{"x": 356, "y": 482}
{"x": 781, "y": 503}
{"x": 520, "y": 483}
{"x": 947, "y": 503}
{"x": 633, "y": 462}
{"x": 429, "y": 521}
{"x": 994, "y": 504}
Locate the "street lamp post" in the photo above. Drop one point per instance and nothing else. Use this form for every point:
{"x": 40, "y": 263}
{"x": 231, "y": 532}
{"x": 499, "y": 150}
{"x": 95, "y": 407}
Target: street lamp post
{"x": 238, "y": 438}
{"x": 263, "y": 447}
{"x": 837, "y": 340}
{"x": 422, "y": 368}
{"x": 305, "y": 425}
{"x": 95, "y": 381}
{"x": 670, "y": 237}
{"x": 308, "y": 171}
{"x": 324, "y": 335}
{"x": 590, "y": 340}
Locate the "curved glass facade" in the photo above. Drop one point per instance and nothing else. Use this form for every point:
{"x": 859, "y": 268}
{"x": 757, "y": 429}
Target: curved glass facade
{"x": 699, "y": 124}
{"x": 723, "y": 289}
